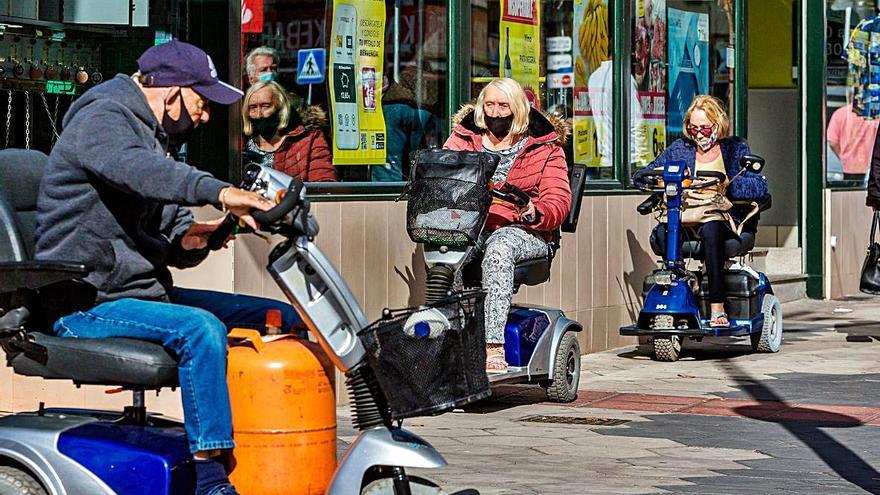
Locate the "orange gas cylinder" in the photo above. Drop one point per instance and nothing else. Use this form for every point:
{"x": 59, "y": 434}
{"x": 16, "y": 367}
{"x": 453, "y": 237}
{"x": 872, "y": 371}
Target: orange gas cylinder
{"x": 283, "y": 414}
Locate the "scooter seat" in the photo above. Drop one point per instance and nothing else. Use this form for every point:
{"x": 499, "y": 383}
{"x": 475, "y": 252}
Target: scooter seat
{"x": 532, "y": 272}
{"x": 734, "y": 247}
{"x": 108, "y": 361}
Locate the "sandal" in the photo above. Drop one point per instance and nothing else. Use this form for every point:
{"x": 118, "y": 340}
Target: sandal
{"x": 719, "y": 320}
{"x": 495, "y": 361}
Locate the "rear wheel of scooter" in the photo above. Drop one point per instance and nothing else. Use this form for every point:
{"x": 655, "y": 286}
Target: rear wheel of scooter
{"x": 14, "y": 481}
{"x": 769, "y": 339}
{"x": 418, "y": 486}
{"x": 566, "y": 370}
{"x": 667, "y": 348}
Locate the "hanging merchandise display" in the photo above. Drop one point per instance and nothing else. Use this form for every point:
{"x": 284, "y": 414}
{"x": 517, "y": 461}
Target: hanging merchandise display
{"x": 688, "y": 64}
{"x": 8, "y": 139}
{"x": 27, "y": 120}
{"x": 356, "y": 66}
{"x": 520, "y": 45}
{"x": 863, "y": 58}
{"x": 593, "y": 90}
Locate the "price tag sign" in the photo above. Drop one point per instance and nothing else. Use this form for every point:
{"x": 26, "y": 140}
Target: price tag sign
{"x": 559, "y": 44}
{"x": 60, "y": 87}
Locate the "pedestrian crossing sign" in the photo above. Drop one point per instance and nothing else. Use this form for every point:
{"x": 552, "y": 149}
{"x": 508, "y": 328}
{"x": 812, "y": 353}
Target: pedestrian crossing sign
{"x": 310, "y": 66}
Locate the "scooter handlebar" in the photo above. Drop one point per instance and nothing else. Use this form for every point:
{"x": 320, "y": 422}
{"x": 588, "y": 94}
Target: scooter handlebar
{"x": 285, "y": 206}
{"x": 512, "y": 194}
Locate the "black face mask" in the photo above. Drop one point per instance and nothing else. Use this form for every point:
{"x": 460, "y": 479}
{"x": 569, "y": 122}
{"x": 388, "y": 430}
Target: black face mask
{"x": 179, "y": 131}
{"x": 499, "y": 126}
{"x": 267, "y": 126}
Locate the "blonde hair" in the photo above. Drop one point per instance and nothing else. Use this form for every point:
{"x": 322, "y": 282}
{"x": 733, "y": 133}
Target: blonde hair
{"x": 519, "y": 105}
{"x": 714, "y": 111}
{"x": 279, "y": 99}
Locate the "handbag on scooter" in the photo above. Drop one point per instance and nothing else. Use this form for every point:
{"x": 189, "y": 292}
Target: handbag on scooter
{"x": 869, "y": 283}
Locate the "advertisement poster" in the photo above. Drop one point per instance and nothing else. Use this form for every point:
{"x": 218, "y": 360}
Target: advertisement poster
{"x": 592, "y": 83}
{"x": 520, "y": 47}
{"x": 357, "y": 48}
{"x": 251, "y": 16}
{"x": 688, "y": 64}
{"x": 649, "y": 72}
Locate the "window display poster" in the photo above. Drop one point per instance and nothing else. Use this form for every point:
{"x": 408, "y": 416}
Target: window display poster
{"x": 688, "y": 63}
{"x": 649, "y": 71}
{"x": 520, "y": 47}
{"x": 357, "y": 48}
{"x": 592, "y": 102}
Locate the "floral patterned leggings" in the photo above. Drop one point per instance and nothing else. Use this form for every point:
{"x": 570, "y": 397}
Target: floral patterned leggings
{"x": 503, "y": 249}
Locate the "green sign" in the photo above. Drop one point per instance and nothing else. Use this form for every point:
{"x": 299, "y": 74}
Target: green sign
{"x": 60, "y": 87}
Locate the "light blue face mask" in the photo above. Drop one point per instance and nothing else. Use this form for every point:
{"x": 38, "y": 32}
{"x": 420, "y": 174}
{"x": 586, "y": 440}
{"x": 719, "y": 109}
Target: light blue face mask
{"x": 269, "y": 76}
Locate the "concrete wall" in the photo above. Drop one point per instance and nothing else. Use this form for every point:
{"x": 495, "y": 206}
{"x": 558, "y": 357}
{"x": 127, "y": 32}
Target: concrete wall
{"x": 849, "y": 231}
{"x": 596, "y": 279}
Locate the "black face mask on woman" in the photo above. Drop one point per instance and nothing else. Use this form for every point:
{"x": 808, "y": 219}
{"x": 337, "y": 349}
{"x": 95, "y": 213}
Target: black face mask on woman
{"x": 179, "y": 131}
{"x": 499, "y": 126}
{"x": 266, "y": 127}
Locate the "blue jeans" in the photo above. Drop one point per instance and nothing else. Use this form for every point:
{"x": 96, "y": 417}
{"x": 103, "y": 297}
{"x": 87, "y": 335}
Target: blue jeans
{"x": 193, "y": 326}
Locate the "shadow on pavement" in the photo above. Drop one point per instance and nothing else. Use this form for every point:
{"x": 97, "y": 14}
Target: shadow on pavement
{"x": 506, "y": 397}
{"x": 808, "y": 429}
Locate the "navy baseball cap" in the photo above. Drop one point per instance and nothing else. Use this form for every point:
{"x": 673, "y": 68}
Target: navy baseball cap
{"x": 176, "y": 63}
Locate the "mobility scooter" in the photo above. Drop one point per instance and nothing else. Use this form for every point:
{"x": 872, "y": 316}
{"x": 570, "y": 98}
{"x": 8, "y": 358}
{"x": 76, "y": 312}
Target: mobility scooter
{"x": 88, "y": 452}
{"x": 449, "y": 195}
{"x": 676, "y": 299}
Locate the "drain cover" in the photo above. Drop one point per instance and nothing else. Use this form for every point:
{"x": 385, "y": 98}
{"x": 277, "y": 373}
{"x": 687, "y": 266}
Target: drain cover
{"x": 571, "y": 420}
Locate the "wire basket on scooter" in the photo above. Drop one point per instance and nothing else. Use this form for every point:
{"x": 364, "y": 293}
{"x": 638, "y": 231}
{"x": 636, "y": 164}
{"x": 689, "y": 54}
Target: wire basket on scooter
{"x": 449, "y": 196}
{"x": 430, "y": 359}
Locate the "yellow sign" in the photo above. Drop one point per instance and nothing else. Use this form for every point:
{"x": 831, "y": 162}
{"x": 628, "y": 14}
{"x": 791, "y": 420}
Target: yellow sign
{"x": 357, "y": 49}
{"x": 520, "y": 46}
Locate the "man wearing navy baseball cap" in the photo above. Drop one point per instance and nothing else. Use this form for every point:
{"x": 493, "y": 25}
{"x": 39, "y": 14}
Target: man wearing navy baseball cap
{"x": 114, "y": 199}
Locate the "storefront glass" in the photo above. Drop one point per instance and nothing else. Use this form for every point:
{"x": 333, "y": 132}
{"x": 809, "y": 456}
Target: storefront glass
{"x": 378, "y": 76}
{"x": 850, "y": 122}
{"x": 681, "y": 48}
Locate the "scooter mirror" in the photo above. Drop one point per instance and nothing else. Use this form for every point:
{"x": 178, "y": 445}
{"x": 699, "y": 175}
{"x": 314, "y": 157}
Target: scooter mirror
{"x": 752, "y": 163}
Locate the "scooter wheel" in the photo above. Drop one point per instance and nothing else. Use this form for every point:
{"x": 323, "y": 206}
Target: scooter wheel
{"x": 566, "y": 370}
{"x": 417, "y": 486}
{"x": 14, "y": 481}
{"x": 667, "y": 348}
{"x": 769, "y": 339}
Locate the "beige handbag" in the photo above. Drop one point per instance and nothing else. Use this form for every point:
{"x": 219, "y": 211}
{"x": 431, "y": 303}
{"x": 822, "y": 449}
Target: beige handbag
{"x": 700, "y": 207}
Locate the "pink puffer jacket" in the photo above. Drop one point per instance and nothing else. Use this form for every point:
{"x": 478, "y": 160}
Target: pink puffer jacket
{"x": 539, "y": 169}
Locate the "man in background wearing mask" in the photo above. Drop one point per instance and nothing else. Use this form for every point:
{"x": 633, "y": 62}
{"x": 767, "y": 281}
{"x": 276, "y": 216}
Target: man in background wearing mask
{"x": 113, "y": 199}
{"x": 261, "y": 64}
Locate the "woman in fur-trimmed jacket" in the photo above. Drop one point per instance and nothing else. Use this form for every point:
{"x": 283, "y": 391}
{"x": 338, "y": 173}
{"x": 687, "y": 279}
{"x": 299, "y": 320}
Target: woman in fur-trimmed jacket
{"x": 528, "y": 143}
{"x": 284, "y": 139}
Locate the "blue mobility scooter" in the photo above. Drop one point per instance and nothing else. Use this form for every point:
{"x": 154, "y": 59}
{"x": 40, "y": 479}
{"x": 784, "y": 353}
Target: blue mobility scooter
{"x": 449, "y": 197}
{"x": 676, "y": 299}
{"x": 56, "y": 451}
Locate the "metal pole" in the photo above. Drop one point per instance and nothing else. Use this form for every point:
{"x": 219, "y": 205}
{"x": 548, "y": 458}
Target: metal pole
{"x": 419, "y": 53}
{"x": 397, "y": 40}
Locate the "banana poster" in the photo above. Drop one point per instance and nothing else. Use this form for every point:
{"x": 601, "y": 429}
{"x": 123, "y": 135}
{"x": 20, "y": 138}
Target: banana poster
{"x": 520, "y": 44}
{"x": 592, "y": 80}
{"x": 357, "y": 49}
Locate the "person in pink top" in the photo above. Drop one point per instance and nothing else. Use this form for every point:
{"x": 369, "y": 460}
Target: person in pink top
{"x": 852, "y": 139}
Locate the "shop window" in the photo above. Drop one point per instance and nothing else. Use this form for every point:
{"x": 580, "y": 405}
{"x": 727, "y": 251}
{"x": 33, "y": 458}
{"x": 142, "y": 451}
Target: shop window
{"x": 850, "y": 126}
{"x": 681, "y": 48}
{"x": 552, "y": 53}
{"x": 379, "y": 89}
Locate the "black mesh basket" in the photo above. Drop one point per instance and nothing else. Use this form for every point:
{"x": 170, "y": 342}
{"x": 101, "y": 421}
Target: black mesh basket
{"x": 449, "y": 196}
{"x": 430, "y": 374}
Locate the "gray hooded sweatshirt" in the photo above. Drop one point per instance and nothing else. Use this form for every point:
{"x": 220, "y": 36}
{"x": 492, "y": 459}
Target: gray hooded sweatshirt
{"x": 112, "y": 199}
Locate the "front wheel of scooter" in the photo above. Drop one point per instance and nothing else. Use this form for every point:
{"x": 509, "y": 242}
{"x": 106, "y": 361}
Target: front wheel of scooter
{"x": 566, "y": 370}
{"x": 667, "y": 348}
{"x": 417, "y": 486}
{"x": 14, "y": 481}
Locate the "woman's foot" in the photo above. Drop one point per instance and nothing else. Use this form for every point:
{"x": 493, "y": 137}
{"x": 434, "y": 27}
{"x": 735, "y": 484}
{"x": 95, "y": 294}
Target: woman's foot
{"x": 495, "y": 361}
{"x": 719, "y": 320}
{"x": 211, "y": 475}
